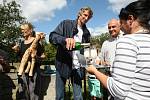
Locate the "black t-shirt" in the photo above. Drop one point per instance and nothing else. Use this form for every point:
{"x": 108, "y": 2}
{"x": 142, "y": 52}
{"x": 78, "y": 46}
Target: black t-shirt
{"x": 24, "y": 47}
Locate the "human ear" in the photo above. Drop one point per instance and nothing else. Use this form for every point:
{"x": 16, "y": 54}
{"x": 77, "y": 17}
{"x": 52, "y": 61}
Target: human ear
{"x": 131, "y": 19}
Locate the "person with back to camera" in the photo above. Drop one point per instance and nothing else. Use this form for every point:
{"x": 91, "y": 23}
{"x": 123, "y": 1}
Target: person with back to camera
{"x": 130, "y": 71}
{"x": 66, "y": 34}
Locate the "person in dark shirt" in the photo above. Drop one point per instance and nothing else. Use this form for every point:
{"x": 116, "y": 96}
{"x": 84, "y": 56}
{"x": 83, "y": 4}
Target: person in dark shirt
{"x": 64, "y": 37}
{"x": 28, "y": 89}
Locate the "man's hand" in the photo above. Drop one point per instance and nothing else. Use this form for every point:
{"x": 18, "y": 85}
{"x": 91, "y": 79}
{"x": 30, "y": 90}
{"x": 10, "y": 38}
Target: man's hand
{"x": 70, "y": 43}
{"x": 97, "y": 61}
{"x": 101, "y": 62}
{"x": 105, "y": 63}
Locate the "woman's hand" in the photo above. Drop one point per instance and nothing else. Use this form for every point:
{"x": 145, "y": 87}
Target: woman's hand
{"x": 40, "y": 35}
{"x": 91, "y": 69}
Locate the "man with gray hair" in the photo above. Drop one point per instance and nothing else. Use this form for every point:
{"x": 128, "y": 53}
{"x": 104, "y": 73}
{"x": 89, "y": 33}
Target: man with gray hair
{"x": 66, "y": 34}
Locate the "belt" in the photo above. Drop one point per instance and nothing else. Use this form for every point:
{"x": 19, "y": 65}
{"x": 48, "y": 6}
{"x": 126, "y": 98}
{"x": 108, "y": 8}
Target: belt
{"x": 92, "y": 77}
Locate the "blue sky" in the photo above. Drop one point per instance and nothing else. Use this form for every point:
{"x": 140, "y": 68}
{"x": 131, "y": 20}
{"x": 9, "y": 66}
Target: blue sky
{"x": 47, "y": 14}
{"x": 100, "y": 17}
{"x": 101, "y": 10}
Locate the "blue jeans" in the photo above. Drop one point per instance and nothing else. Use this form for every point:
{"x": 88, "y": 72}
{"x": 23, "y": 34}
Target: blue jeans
{"x": 76, "y": 83}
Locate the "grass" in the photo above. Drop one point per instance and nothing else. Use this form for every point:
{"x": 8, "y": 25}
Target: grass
{"x": 69, "y": 91}
{"x": 69, "y": 94}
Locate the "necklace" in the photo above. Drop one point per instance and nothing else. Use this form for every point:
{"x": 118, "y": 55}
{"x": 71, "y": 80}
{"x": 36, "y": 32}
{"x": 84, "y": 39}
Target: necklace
{"x": 142, "y": 31}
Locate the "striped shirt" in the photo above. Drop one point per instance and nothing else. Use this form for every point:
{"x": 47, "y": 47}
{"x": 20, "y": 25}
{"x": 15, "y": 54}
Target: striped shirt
{"x": 131, "y": 68}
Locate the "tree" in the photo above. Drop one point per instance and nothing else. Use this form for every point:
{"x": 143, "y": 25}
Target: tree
{"x": 10, "y": 18}
{"x": 50, "y": 51}
{"x": 98, "y": 40}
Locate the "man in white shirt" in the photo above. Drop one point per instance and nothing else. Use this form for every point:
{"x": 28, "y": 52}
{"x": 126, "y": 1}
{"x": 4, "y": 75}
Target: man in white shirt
{"x": 107, "y": 54}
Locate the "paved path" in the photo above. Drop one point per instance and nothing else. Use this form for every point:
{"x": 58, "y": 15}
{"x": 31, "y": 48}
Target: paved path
{"x": 50, "y": 80}
{"x": 51, "y": 89}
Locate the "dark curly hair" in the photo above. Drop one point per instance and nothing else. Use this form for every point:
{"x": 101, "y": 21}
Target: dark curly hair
{"x": 140, "y": 10}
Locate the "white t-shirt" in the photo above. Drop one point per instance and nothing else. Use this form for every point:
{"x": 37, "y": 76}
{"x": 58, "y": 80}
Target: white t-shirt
{"x": 78, "y": 38}
{"x": 108, "y": 50}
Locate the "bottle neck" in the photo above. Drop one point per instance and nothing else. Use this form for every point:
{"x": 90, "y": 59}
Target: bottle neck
{"x": 80, "y": 45}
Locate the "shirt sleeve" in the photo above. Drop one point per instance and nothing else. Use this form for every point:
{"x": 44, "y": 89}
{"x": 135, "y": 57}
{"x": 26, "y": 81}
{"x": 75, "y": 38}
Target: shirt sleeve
{"x": 56, "y": 37}
{"x": 101, "y": 54}
{"x": 123, "y": 68}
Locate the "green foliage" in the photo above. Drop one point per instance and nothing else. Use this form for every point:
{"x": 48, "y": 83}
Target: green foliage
{"x": 10, "y": 18}
{"x": 99, "y": 39}
{"x": 69, "y": 91}
{"x": 9, "y": 21}
{"x": 50, "y": 52}
{"x": 103, "y": 37}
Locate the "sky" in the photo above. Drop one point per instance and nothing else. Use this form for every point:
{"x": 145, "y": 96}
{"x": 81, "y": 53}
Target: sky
{"x": 45, "y": 15}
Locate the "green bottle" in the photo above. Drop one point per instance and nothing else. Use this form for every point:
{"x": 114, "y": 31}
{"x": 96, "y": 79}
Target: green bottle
{"x": 80, "y": 45}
